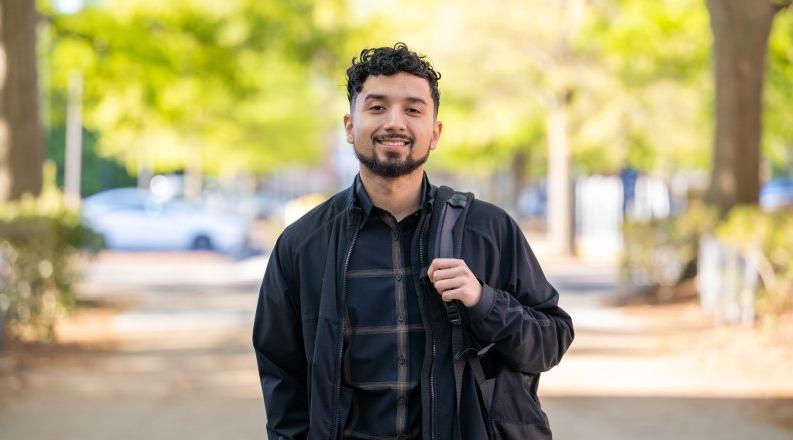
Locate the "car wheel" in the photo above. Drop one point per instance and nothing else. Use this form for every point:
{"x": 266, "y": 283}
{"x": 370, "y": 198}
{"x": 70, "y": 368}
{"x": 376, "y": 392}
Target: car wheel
{"x": 202, "y": 243}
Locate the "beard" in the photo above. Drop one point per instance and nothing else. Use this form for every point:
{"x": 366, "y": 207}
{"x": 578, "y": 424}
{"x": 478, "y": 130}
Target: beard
{"x": 393, "y": 166}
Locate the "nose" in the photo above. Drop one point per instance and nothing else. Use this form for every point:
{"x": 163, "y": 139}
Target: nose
{"x": 395, "y": 120}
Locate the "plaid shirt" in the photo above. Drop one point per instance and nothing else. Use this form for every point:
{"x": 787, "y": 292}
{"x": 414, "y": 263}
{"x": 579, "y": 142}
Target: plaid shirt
{"x": 384, "y": 338}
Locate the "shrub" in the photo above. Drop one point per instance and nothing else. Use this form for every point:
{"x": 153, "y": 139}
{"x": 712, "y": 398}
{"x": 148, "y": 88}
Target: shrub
{"x": 41, "y": 242}
{"x": 767, "y": 237}
{"x": 656, "y": 252}
{"x": 660, "y": 253}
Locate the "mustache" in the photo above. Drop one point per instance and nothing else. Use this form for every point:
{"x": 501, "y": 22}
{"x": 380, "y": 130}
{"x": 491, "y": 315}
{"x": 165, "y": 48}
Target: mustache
{"x": 383, "y": 137}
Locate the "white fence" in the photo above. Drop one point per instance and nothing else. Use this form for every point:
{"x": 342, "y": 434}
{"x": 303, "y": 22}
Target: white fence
{"x": 727, "y": 282}
{"x": 600, "y": 210}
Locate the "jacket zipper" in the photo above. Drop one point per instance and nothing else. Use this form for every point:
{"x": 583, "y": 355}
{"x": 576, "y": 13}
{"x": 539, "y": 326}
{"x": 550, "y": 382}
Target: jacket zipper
{"x": 422, "y": 239}
{"x": 341, "y": 335}
{"x": 432, "y": 389}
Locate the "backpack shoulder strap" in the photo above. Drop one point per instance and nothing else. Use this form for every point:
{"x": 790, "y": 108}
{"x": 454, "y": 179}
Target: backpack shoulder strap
{"x": 452, "y": 208}
{"x": 452, "y": 211}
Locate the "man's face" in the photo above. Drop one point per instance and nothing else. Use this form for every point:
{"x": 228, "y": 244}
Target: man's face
{"x": 392, "y": 124}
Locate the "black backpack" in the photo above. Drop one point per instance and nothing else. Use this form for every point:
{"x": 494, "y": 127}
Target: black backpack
{"x": 452, "y": 209}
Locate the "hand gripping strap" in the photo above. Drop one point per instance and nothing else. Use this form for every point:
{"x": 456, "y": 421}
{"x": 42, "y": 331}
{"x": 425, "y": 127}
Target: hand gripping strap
{"x": 450, "y": 212}
{"x": 447, "y": 245}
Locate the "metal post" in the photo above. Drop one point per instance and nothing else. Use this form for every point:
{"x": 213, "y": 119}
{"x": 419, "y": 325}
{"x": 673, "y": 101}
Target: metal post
{"x": 74, "y": 141}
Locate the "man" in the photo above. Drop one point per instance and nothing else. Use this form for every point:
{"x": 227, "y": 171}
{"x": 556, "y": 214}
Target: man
{"x": 351, "y": 343}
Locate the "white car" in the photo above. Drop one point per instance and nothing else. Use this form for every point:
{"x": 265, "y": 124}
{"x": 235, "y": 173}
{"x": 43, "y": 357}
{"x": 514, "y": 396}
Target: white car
{"x": 132, "y": 218}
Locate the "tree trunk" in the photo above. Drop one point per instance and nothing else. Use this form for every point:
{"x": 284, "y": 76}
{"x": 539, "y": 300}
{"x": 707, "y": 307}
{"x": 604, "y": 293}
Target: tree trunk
{"x": 740, "y": 38}
{"x": 73, "y": 163}
{"x": 194, "y": 174}
{"x": 21, "y": 140}
{"x": 520, "y": 159}
{"x": 561, "y": 207}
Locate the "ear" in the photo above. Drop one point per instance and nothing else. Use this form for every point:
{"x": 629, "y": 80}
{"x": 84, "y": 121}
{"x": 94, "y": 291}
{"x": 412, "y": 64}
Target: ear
{"x": 436, "y": 134}
{"x": 348, "y": 128}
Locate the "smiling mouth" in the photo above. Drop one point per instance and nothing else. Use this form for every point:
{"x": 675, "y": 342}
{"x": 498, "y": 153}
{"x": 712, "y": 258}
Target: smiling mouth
{"x": 393, "y": 142}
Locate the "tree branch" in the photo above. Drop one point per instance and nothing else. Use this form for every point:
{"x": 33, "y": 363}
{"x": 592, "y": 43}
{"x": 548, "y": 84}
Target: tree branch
{"x": 781, "y": 4}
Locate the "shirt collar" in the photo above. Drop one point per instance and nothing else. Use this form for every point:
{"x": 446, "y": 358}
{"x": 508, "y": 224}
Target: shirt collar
{"x": 362, "y": 200}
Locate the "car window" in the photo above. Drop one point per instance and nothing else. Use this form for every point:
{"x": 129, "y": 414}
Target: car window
{"x": 174, "y": 206}
{"x": 127, "y": 205}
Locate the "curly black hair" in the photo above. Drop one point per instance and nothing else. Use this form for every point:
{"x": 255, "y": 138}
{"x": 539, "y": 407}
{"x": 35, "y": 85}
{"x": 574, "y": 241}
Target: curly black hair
{"x": 389, "y": 61}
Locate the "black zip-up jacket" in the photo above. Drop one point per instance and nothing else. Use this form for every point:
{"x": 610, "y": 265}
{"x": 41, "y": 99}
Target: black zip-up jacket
{"x": 298, "y": 329}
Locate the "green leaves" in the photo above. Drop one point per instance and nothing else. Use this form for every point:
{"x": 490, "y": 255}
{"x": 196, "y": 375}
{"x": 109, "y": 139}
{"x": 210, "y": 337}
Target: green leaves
{"x": 230, "y": 81}
{"x": 253, "y": 84}
{"x": 777, "y": 115}
{"x": 41, "y": 241}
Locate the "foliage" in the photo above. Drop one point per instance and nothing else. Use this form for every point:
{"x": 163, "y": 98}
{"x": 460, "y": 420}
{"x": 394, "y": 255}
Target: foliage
{"x": 659, "y": 53}
{"x": 777, "y": 113}
{"x": 636, "y": 71}
{"x": 656, "y": 252}
{"x": 232, "y": 83}
{"x": 40, "y": 244}
{"x": 249, "y": 85}
{"x": 640, "y": 72}
{"x": 98, "y": 173}
{"x": 769, "y": 235}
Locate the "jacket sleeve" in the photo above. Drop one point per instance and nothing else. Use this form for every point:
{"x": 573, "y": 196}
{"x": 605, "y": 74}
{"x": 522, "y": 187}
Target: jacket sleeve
{"x": 518, "y": 311}
{"x": 278, "y": 344}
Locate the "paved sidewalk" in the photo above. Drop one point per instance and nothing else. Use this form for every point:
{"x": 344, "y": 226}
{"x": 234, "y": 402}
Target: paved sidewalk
{"x": 167, "y": 356}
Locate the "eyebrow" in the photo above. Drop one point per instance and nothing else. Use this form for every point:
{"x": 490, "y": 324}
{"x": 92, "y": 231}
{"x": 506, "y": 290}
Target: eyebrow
{"x": 375, "y": 96}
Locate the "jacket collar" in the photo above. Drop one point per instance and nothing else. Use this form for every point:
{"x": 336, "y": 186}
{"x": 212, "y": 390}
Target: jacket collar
{"x": 360, "y": 198}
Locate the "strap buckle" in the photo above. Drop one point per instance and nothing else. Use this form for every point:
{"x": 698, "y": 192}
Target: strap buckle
{"x": 453, "y": 313}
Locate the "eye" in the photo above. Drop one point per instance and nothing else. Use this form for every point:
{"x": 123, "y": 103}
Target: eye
{"x": 376, "y": 108}
{"x": 413, "y": 110}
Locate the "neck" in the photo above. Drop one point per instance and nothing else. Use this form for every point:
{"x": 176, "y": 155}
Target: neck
{"x": 400, "y": 196}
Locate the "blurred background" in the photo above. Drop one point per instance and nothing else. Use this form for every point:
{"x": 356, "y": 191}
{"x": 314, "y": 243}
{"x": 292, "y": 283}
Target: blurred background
{"x": 151, "y": 153}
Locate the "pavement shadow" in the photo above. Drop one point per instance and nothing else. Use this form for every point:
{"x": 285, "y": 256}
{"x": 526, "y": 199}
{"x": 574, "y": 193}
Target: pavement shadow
{"x": 680, "y": 418}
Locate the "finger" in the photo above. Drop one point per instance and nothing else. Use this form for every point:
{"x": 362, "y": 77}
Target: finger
{"x": 441, "y": 264}
{"x": 445, "y": 263}
{"x": 431, "y": 270}
{"x": 443, "y": 274}
{"x": 453, "y": 294}
{"x": 452, "y": 283}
